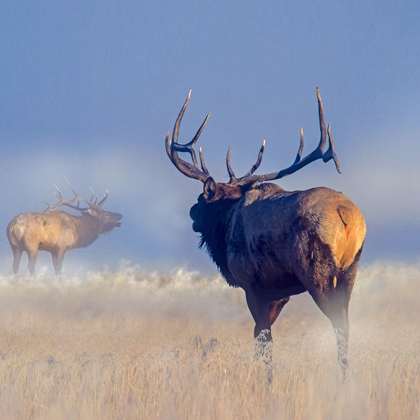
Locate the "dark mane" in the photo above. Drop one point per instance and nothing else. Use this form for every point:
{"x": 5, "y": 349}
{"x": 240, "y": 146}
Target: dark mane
{"x": 213, "y": 238}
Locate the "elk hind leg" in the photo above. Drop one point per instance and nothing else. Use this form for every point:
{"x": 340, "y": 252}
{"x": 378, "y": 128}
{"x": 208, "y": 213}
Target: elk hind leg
{"x": 32, "y": 257}
{"x": 343, "y": 287}
{"x": 333, "y": 302}
{"x": 57, "y": 258}
{"x": 330, "y": 286}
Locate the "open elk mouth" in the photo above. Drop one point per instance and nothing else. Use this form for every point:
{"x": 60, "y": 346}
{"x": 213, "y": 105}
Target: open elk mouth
{"x": 118, "y": 224}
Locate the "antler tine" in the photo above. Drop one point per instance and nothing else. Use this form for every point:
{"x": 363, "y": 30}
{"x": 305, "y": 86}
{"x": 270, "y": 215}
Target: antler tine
{"x": 62, "y": 201}
{"x": 330, "y": 153}
{"x": 57, "y": 193}
{"x": 93, "y": 196}
{"x": 258, "y": 162}
{"x": 203, "y": 163}
{"x": 173, "y": 147}
{"x": 77, "y": 197}
{"x": 50, "y": 207}
{"x": 102, "y": 202}
{"x": 175, "y": 133}
{"x": 189, "y": 147}
{"x": 232, "y": 177}
{"x": 233, "y": 180}
{"x": 319, "y": 151}
{"x": 323, "y": 140}
{"x": 299, "y": 153}
{"x": 68, "y": 183}
{"x": 191, "y": 144}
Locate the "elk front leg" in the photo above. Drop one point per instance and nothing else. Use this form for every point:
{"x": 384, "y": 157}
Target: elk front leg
{"x": 17, "y": 255}
{"x": 265, "y": 314}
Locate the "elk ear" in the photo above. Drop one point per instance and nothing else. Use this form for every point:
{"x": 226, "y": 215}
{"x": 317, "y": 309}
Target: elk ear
{"x": 92, "y": 212}
{"x": 209, "y": 189}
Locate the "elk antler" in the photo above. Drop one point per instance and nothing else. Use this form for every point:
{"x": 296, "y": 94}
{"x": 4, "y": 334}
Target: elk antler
{"x": 233, "y": 180}
{"x": 77, "y": 198}
{"x": 173, "y": 147}
{"x": 90, "y": 202}
{"x": 299, "y": 163}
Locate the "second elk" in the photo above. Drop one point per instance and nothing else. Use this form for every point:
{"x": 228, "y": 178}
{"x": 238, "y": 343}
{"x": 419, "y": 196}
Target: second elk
{"x": 57, "y": 232}
{"x": 275, "y": 243}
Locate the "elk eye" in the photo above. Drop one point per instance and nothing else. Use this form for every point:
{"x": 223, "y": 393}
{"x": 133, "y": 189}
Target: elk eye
{"x": 107, "y": 215}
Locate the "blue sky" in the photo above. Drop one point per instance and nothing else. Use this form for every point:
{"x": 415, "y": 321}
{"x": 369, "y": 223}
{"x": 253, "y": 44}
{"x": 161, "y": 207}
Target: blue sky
{"x": 89, "y": 89}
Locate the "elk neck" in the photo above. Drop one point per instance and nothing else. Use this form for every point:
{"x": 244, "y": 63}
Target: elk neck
{"x": 88, "y": 228}
{"x": 217, "y": 218}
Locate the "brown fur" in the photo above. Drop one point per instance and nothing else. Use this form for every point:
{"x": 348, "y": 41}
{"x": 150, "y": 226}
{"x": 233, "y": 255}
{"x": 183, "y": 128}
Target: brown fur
{"x": 275, "y": 243}
{"x": 56, "y": 232}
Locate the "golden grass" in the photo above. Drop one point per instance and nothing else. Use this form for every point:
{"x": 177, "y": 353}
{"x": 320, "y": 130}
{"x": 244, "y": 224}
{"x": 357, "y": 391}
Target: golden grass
{"x": 124, "y": 345}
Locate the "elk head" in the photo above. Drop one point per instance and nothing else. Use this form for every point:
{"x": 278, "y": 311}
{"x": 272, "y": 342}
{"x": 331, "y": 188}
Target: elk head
{"x": 107, "y": 220}
{"x": 216, "y": 194}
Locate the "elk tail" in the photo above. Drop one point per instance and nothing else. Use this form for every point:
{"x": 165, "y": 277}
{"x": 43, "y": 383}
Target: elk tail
{"x": 354, "y": 230}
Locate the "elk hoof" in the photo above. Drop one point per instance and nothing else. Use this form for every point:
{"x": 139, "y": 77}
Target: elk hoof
{"x": 342, "y": 348}
{"x": 264, "y": 336}
{"x": 264, "y": 347}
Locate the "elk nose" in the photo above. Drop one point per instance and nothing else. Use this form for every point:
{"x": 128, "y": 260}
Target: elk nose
{"x": 193, "y": 211}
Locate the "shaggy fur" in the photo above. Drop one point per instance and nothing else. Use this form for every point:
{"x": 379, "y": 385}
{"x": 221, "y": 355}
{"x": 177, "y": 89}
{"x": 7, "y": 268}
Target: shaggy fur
{"x": 275, "y": 243}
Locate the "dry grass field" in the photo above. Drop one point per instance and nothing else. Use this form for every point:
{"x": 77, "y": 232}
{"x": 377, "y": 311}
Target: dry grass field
{"x": 129, "y": 344}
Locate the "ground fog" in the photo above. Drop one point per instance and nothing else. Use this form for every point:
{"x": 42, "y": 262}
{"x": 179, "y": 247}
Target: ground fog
{"x": 129, "y": 344}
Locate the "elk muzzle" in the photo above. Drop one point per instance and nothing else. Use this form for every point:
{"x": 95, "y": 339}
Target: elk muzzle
{"x": 194, "y": 214}
{"x": 113, "y": 220}
{"x": 118, "y": 217}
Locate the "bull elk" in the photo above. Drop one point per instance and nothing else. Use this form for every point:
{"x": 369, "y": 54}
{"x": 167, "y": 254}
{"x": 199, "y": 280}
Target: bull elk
{"x": 57, "y": 232}
{"x": 275, "y": 243}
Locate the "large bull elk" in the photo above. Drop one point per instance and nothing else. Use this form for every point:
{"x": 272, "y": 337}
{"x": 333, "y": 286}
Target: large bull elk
{"x": 275, "y": 243}
{"x": 57, "y": 232}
